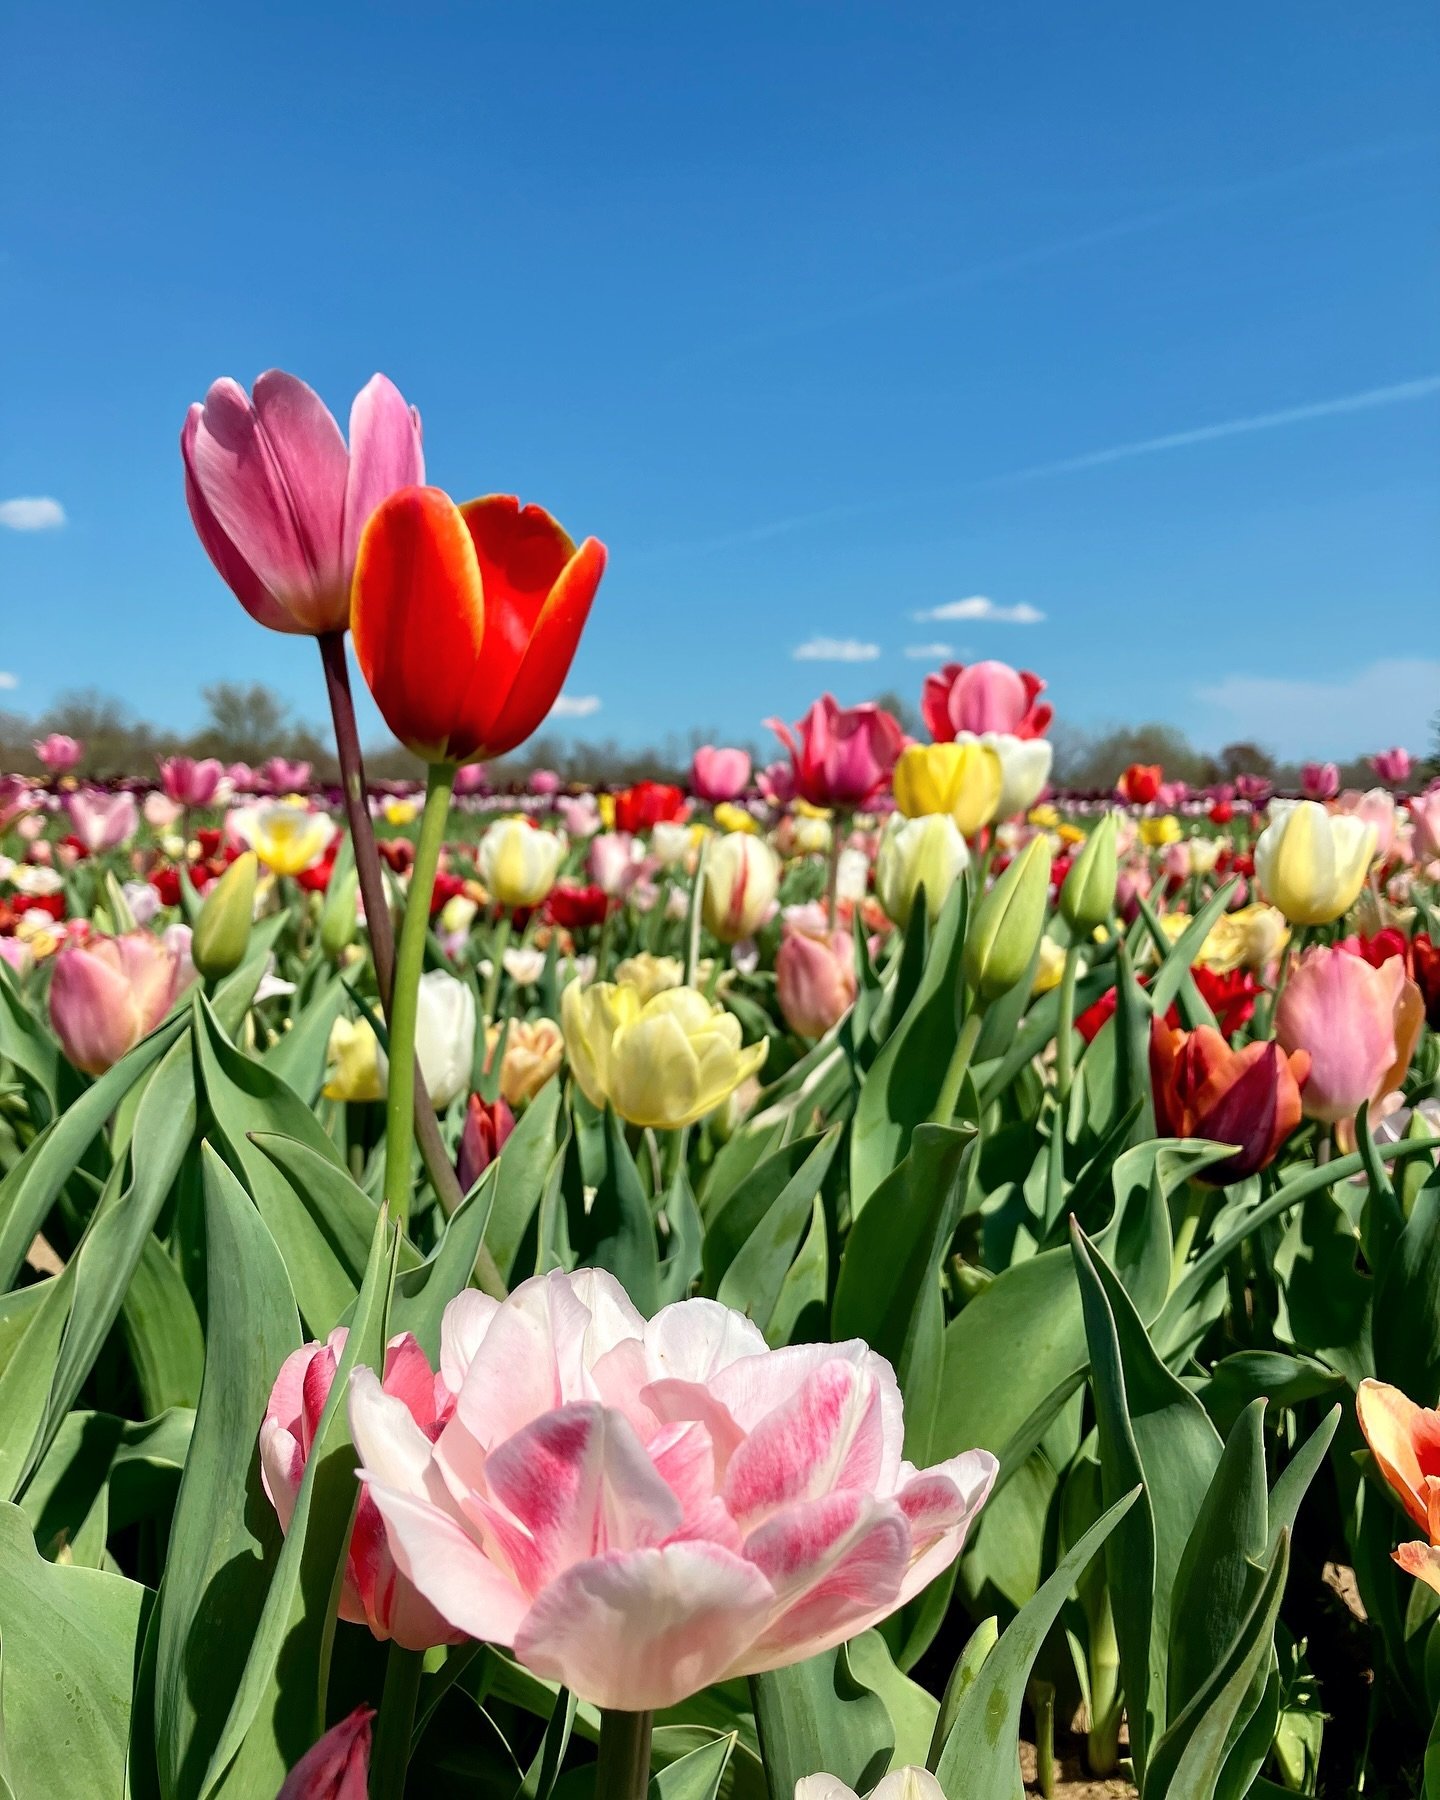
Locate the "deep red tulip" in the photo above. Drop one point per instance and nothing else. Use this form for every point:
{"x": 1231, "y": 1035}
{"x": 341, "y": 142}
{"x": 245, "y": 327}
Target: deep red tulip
{"x": 466, "y": 619}
{"x": 575, "y": 907}
{"x": 648, "y": 804}
{"x": 487, "y": 1125}
{"x": 1140, "y": 783}
{"x": 1425, "y": 956}
{"x": 1204, "y": 1089}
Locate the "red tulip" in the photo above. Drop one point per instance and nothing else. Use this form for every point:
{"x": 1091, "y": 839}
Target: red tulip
{"x": 1140, "y": 783}
{"x": 985, "y": 696}
{"x": 842, "y": 756}
{"x": 1426, "y": 957}
{"x": 466, "y": 619}
{"x": 648, "y": 804}
{"x": 487, "y": 1125}
{"x": 573, "y": 907}
{"x": 1204, "y": 1089}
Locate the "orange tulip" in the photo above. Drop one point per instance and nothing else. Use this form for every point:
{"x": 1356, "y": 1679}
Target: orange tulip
{"x": 1405, "y": 1441}
{"x": 466, "y": 618}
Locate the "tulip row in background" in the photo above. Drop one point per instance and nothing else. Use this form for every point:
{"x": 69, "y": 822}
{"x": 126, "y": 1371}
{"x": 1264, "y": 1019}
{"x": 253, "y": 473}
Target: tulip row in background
{"x": 788, "y": 1285}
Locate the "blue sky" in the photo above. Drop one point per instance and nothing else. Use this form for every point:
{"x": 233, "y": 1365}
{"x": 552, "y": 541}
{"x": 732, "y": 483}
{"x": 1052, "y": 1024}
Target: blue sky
{"x": 1124, "y": 320}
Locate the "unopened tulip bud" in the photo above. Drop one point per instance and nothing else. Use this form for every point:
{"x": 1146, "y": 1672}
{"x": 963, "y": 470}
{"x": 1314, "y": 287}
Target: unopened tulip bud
{"x": 1008, "y": 923}
{"x": 338, "y": 918}
{"x": 222, "y": 932}
{"x": 1088, "y": 897}
{"x": 338, "y": 1767}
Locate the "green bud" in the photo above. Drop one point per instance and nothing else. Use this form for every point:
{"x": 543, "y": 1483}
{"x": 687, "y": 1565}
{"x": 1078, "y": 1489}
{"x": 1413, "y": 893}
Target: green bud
{"x": 222, "y": 930}
{"x": 337, "y": 921}
{"x": 1088, "y": 897}
{"x": 1008, "y": 922}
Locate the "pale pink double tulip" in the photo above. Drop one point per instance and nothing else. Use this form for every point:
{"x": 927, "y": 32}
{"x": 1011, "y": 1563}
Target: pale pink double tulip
{"x": 189, "y": 782}
{"x": 841, "y": 756}
{"x": 1375, "y": 807}
{"x": 981, "y": 697}
{"x": 717, "y": 775}
{"x": 59, "y": 753}
{"x": 815, "y": 976}
{"x": 375, "y": 1593}
{"x": 640, "y": 1509}
{"x": 109, "y": 992}
{"x": 1319, "y": 781}
{"x": 1393, "y": 766}
{"x": 1359, "y": 1025}
{"x": 279, "y": 502}
{"x": 102, "y": 821}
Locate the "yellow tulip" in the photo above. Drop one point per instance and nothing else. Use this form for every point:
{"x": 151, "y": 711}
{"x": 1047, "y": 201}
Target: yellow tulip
{"x": 650, "y": 975}
{"x": 289, "y": 839}
{"x": 1069, "y": 834}
{"x": 665, "y": 1062}
{"x": 964, "y": 780}
{"x": 519, "y": 863}
{"x": 1049, "y": 969}
{"x": 730, "y": 817}
{"x": 1252, "y": 937}
{"x": 605, "y": 806}
{"x": 1045, "y": 817}
{"x": 352, "y": 1063}
{"x": 1158, "y": 832}
{"x": 399, "y": 812}
{"x": 1312, "y": 864}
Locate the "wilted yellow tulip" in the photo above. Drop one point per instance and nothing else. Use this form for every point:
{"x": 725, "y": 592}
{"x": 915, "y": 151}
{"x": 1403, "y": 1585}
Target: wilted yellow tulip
{"x": 534, "y": 1050}
{"x": 650, "y": 975}
{"x": 742, "y": 878}
{"x": 1312, "y": 863}
{"x": 519, "y": 863}
{"x": 964, "y": 780}
{"x": 353, "y": 1069}
{"x": 928, "y": 851}
{"x": 665, "y": 1062}
{"x": 287, "y": 838}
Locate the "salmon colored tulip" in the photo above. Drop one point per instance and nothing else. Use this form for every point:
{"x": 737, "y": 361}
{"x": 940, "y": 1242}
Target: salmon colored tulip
{"x": 981, "y": 697}
{"x": 640, "y": 1508}
{"x": 1204, "y": 1089}
{"x": 277, "y": 499}
{"x": 815, "y": 978}
{"x": 466, "y": 619}
{"x": 1405, "y": 1441}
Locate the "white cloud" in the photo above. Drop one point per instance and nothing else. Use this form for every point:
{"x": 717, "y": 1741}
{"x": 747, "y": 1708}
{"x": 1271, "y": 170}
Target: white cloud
{"x": 575, "y": 706}
{"x": 929, "y": 652}
{"x": 37, "y": 513}
{"x": 8, "y": 681}
{"x": 825, "y": 649}
{"x": 977, "y": 607}
{"x": 1390, "y": 702}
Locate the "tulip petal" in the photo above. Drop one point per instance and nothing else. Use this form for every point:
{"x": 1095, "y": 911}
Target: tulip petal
{"x": 462, "y": 1331}
{"x": 843, "y": 1560}
{"x": 385, "y": 454}
{"x": 230, "y": 564}
{"x": 827, "y": 1435}
{"x": 1396, "y": 1429}
{"x": 418, "y": 616}
{"x": 448, "y": 1567}
{"x": 645, "y": 1629}
{"x": 1421, "y": 1560}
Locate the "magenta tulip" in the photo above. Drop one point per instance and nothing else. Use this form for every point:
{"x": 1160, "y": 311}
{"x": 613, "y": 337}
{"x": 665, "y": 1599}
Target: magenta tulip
{"x": 640, "y": 1509}
{"x": 981, "y": 697}
{"x": 282, "y": 776}
{"x": 842, "y": 756}
{"x": 58, "y": 753}
{"x": 338, "y": 1766}
{"x": 1319, "y": 781}
{"x": 1393, "y": 766}
{"x": 375, "y": 1592}
{"x": 279, "y": 502}
{"x": 191, "y": 783}
{"x": 544, "y": 782}
{"x": 108, "y": 993}
{"x": 719, "y": 775}
{"x": 102, "y": 821}
{"x": 1358, "y": 1023}
{"x": 815, "y": 978}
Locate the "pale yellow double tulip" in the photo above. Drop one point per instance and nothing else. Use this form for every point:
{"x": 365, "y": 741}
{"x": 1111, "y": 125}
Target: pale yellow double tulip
{"x": 663, "y": 1062}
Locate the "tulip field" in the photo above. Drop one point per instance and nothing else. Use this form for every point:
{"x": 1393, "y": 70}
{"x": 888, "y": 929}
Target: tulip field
{"x": 857, "y": 1273}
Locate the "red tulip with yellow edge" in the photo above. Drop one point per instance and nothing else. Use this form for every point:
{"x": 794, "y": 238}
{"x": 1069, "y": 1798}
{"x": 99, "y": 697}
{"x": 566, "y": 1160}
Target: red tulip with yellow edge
{"x": 466, "y": 618}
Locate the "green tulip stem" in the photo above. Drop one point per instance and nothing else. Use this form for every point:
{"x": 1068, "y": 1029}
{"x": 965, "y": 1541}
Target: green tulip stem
{"x": 1290, "y": 954}
{"x": 1065, "y": 1030}
{"x": 1042, "y": 1704}
{"x": 623, "y": 1771}
{"x": 396, "y": 1723}
{"x": 499, "y": 944}
{"x": 839, "y": 831}
{"x": 965, "y": 1043}
{"x": 405, "y": 1008}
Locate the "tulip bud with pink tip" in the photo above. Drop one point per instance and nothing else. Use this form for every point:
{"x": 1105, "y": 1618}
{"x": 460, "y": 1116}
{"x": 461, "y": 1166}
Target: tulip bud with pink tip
{"x": 338, "y": 1766}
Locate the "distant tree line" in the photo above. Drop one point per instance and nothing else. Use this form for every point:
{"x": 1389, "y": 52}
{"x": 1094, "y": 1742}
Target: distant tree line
{"x": 248, "y": 722}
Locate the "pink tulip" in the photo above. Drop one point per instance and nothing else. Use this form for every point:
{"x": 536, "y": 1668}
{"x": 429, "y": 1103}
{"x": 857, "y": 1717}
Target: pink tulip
{"x": 59, "y": 753}
{"x": 1319, "y": 781}
{"x": 18, "y": 955}
{"x": 1257, "y": 789}
{"x": 471, "y": 778}
{"x": 640, "y": 1509}
{"x": 842, "y": 756}
{"x": 719, "y": 775}
{"x": 336, "y": 1768}
{"x": 102, "y": 821}
{"x": 375, "y": 1592}
{"x": 544, "y": 782}
{"x": 776, "y": 783}
{"x": 279, "y": 502}
{"x": 159, "y": 811}
{"x": 1358, "y": 1023}
{"x": 615, "y": 861}
{"x": 1393, "y": 766}
{"x": 191, "y": 783}
{"x": 242, "y": 778}
{"x": 16, "y": 800}
{"x": 816, "y": 978}
{"x": 1378, "y": 809}
{"x": 981, "y": 697}
{"x": 578, "y": 813}
{"x": 282, "y": 776}
{"x": 1425, "y": 815}
{"x": 110, "y": 992}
